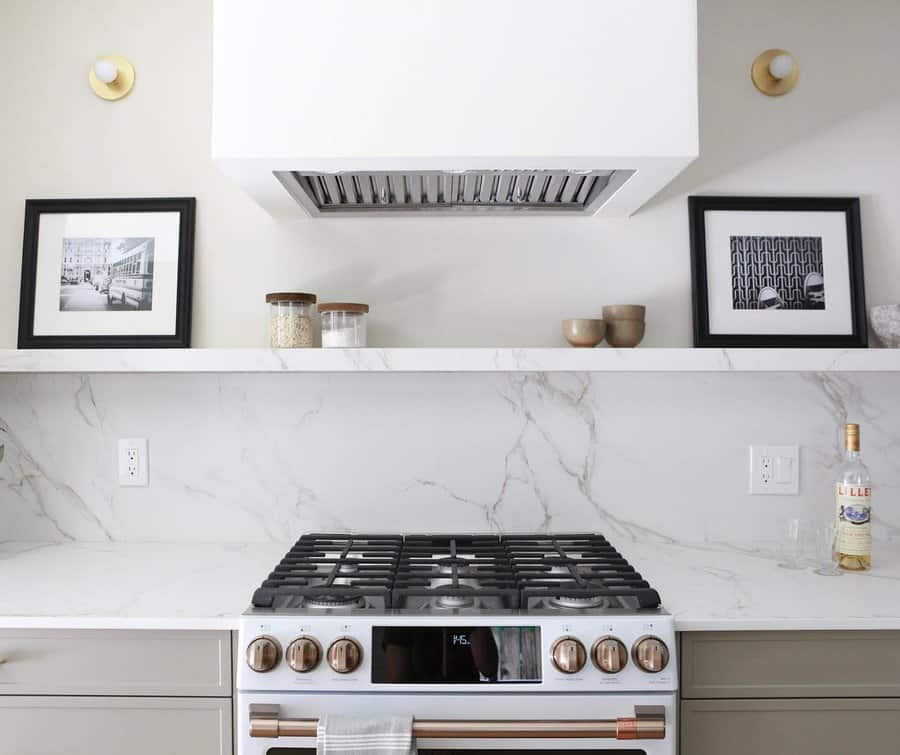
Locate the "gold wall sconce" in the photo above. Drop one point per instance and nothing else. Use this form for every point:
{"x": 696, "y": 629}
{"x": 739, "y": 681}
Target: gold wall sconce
{"x": 111, "y": 77}
{"x": 774, "y": 72}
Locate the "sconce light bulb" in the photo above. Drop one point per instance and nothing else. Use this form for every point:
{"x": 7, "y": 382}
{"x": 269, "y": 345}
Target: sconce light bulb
{"x": 781, "y": 66}
{"x": 106, "y": 71}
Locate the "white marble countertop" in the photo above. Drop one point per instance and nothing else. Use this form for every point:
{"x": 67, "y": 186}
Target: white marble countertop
{"x": 186, "y": 586}
{"x": 130, "y": 586}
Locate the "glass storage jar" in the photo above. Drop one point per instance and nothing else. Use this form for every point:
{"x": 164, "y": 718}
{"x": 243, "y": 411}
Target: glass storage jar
{"x": 343, "y": 325}
{"x": 291, "y": 320}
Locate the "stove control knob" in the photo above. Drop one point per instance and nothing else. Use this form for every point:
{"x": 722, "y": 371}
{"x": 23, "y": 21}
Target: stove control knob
{"x": 263, "y": 654}
{"x": 568, "y": 655}
{"x": 610, "y": 654}
{"x": 650, "y": 654}
{"x": 344, "y": 655}
{"x": 303, "y": 654}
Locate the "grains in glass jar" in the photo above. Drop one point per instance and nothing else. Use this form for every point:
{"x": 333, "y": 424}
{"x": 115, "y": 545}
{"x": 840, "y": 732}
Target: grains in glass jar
{"x": 291, "y": 320}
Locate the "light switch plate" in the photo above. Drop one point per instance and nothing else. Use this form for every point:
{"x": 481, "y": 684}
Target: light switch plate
{"x": 774, "y": 470}
{"x": 133, "y": 462}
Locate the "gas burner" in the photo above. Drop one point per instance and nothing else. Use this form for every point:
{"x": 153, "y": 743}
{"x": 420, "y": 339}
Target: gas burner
{"x": 334, "y": 601}
{"x": 578, "y": 601}
{"x": 454, "y": 601}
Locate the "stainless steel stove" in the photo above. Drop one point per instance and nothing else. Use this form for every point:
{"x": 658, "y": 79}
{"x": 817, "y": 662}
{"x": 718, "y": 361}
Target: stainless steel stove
{"x": 547, "y": 643}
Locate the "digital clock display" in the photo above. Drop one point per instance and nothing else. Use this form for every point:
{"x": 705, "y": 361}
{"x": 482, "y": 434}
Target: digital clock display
{"x": 456, "y": 655}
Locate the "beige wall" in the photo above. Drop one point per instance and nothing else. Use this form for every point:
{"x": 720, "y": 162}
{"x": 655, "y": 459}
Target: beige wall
{"x": 443, "y": 281}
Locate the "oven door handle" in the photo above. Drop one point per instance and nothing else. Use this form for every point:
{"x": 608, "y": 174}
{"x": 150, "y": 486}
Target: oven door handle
{"x": 648, "y": 722}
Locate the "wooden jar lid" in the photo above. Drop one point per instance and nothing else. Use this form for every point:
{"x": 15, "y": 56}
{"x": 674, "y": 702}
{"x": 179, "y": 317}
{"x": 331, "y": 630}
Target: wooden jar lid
{"x": 343, "y": 306}
{"x": 297, "y": 296}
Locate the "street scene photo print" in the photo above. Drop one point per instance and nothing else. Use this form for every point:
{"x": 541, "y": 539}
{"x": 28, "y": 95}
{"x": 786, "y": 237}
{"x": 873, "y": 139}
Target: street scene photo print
{"x": 104, "y": 274}
{"x": 777, "y": 272}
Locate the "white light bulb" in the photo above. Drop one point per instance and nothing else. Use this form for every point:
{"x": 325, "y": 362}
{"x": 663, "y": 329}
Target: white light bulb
{"x": 781, "y": 66}
{"x": 106, "y": 71}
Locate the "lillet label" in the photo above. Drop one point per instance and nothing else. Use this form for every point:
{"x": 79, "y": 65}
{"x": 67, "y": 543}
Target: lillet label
{"x": 854, "y": 513}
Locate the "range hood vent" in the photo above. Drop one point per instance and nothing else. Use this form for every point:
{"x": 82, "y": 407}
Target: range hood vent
{"x": 350, "y": 108}
{"x": 437, "y": 191}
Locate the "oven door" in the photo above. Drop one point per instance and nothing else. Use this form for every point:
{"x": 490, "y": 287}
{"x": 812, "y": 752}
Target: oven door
{"x": 285, "y": 724}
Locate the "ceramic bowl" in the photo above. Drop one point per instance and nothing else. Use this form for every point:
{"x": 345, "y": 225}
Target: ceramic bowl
{"x": 885, "y": 319}
{"x": 624, "y": 312}
{"x": 624, "y": 324}
{"x": 622, "y": 334}
{"x": 584, "y": 332}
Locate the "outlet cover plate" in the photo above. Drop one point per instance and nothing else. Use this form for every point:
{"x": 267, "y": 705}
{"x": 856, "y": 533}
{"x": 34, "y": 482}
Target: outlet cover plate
{"x": 133, "y": 463}
{"x": 774, "y": 470}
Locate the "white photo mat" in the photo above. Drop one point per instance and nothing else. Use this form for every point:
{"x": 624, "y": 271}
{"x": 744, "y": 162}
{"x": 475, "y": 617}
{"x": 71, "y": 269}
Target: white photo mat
{"x": 831, "y": 227}
{"x": 162, "y": 226}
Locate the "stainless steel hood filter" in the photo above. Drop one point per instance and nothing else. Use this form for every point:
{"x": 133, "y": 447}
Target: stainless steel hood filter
{"x": 573, "y": 191}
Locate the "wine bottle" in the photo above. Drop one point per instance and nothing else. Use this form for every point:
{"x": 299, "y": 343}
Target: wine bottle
{"x": 853, "y": 496}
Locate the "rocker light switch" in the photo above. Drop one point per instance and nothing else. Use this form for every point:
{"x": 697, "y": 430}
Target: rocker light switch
{"x": 784, "y": 470}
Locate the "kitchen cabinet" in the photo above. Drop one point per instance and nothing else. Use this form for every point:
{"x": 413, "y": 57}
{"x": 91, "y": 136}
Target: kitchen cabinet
{"x": 835, "y": 726}
{"x": 115, "y": 662}
{"x": 54, "y": 725}
{"x": 789, "y": 693}
{"x": 108, "y": 692}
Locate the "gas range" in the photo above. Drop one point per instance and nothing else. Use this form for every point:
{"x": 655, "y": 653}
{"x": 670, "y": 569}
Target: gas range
{"x": 556, "y": 641}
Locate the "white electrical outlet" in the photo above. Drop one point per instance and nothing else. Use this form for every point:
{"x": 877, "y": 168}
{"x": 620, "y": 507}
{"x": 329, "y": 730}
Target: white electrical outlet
{"x": 774, "y": 470}
{"x": 133, "y": 462}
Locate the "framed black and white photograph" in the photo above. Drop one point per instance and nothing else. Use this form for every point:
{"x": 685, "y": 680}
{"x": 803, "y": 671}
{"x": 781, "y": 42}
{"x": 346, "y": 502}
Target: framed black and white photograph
{"x": 107, "y": 273}
{"x": 771, "y": 271}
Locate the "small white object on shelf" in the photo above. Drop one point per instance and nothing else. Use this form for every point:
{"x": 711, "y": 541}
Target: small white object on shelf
{"x": 343, "y": 325}
{"x": 885, "y": 319}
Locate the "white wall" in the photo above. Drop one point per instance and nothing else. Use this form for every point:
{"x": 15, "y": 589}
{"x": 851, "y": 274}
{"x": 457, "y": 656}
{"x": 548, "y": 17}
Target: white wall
{"x": 447, "y": 281}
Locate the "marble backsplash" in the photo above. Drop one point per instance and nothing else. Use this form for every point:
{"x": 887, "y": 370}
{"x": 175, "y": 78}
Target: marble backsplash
{"x": 265, "y": 457}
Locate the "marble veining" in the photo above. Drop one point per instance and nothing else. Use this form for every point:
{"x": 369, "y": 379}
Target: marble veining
{"x": 641, "y": 457}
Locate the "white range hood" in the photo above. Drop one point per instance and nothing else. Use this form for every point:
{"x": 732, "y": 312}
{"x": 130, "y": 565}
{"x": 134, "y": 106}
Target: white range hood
{"x": 344, "y": 107}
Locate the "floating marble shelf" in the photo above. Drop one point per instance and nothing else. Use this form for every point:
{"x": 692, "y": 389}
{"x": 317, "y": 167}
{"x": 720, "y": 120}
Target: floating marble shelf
{"x": 449, "y": 360}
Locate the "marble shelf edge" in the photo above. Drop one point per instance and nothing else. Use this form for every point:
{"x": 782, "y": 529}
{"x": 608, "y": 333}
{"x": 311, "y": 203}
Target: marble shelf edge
{"x": 423, "y": 360}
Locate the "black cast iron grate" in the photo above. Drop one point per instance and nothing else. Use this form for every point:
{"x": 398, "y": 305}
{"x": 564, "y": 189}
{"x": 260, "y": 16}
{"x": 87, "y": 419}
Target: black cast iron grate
{"x": 334, "y": 569}
{"x": 420, "y": 572}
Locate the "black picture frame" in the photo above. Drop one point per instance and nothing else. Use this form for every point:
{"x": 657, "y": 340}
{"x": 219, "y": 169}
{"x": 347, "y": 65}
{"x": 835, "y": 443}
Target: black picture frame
{"x": 35, "y": 208}
{"x": 698, "y": 206}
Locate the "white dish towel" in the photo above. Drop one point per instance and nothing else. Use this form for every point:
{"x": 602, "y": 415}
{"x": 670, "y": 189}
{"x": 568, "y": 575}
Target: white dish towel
{"x": 348, "y": 735}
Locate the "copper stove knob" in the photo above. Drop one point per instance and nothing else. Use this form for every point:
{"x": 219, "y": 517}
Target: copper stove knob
{"x": 610, "y": 654}
{"x": 303, "y": 654}
{"x": 344, "y": 655}
{"x": 650, "y": 654}
{"x": 263, "y": 654}
{"x": 568, "y": 655}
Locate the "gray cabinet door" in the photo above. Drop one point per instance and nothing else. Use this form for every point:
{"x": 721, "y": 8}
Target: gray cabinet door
{"x": 115, "y": 726}
{"x": 790, "y": 664}
{"x": 115, "y": 662}
{"x": 790, "y": 727}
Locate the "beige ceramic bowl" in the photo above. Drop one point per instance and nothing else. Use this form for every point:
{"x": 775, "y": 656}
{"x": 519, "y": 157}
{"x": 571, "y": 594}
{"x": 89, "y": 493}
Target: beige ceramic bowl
{"x": 624, "y": 324}
{"x": 583, "y": 332}
{"x": 624, "y": 312}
